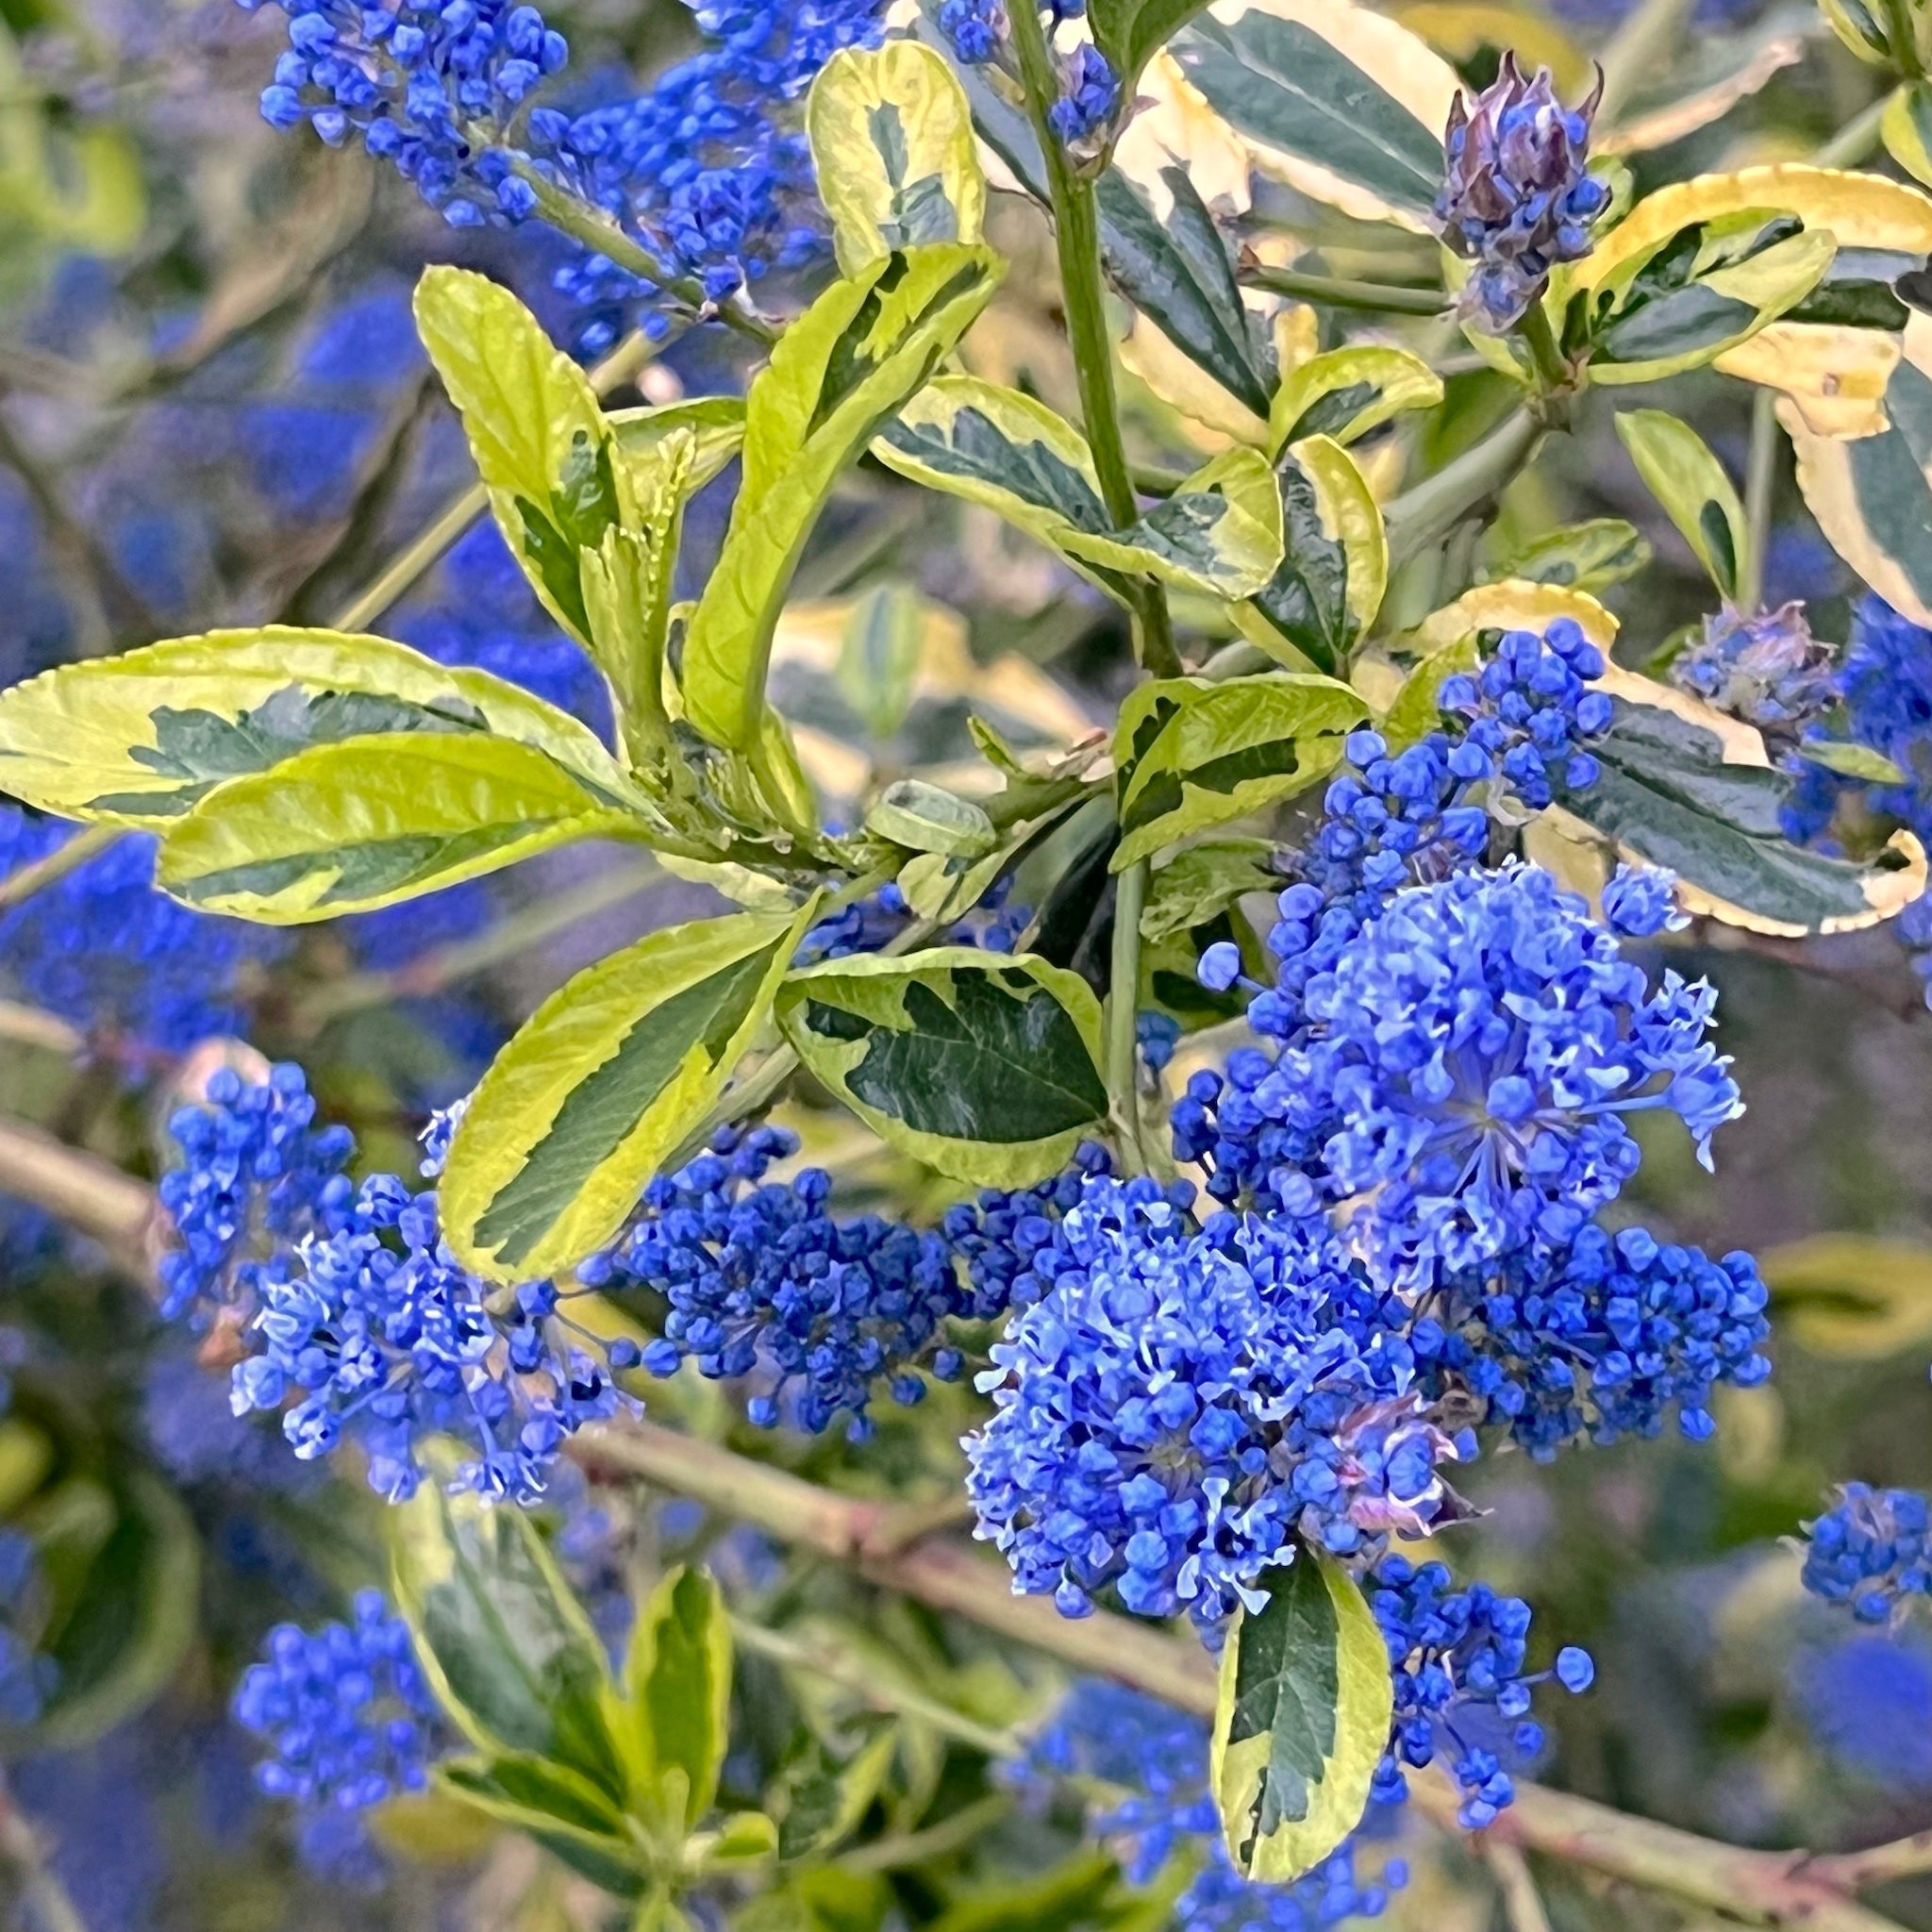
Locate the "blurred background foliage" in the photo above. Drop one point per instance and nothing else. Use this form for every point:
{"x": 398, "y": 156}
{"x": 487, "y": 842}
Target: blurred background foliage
{"x": 213, "y": 409}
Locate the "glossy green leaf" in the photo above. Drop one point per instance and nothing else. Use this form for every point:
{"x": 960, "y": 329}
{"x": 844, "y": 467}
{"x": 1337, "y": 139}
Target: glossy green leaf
{"x": 566, "y": 1814}
{"x": 1178, "y": 274}
{"x": 1589, "y": 556}
{"x": 536, "y": 429}
{"x": 1691, "y": 297}
{"x": 1346, "y": 392}
{"x": 600, "y": 1083}
{"x": 925, "y": 818}
{"x": 1190, "y": 754}
{"x": 1335, "y": 564}
{"x": 1130, "y": 32}
{"x": 1345, "y": 105}
{"x": 1665, "y": 793}
{"x": 1302, "y": 1720}
{"x": 348, "y": 828}
{"x": 679, "y": 1680}
{"x": 513, "y": 1661}
{"x": 987, "y": 1068}
{"x": 1679, "y": 469}
{"x": 869, "y": 343}
{"x": 1218, "y": 533}
{"x": 1906, "y": 130}
{"x": 124, "y": 1614}
{"x": 891, "y": 140}
{"x": 138, "y": 740}
{"x": 1200, "y": 883}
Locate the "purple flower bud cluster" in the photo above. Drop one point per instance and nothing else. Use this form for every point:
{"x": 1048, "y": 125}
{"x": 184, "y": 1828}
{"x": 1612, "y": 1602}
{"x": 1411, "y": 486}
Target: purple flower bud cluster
{"x": 1516, "y": 199}
{"x": 358, "y": 1321}
{"x": 1870, "y": 1550}
{"x": 764, "y": 1283}
{"x": 431, "y": 85}
{"x": 113, "y": 956}
{"x": 1177, "y": 1406}
{"x": 1764, "y": 667}
{"x": 1595, "y": 1340}
{"x": 1458, "y": 1655}
{"x": 347, "y": 1717}
{"x": 1155, "y": 1760}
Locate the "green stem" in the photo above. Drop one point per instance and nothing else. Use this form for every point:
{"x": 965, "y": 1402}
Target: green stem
{"x": 591, "y": 226}
{"x": 1855, "y": 140}
{"x": 25, "y": 881}
{"x": 1419, "y": 516}
{"x": 1554, "y": 377}
{"x": 954, "y": 1834}
{"x": 1761, "y": 480}
{"x": 1123, "y": 1003}
{"x": 1338, "y": 291}
{"x": 1076, "y": 239}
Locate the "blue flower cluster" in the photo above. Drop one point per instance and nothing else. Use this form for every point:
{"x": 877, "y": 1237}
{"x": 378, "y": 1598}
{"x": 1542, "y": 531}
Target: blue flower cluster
{"x": 258, "y": 1177}
{"x": 113, "y": 956}
{"x": 1867, "y": 1700}
{"x": 1763, "y": 666}
{"x": 27, "y": 1678}
{"x": 1516, "y": 200}
{"x": 357, "y": 1320}
{"x": 1884, "y": 688}
{"x": 1870, "y": 1550}
{"x": 1468, "y": 1061}
{"x": 763, "y": 1282}
{"x": 348, "y": 1716}
{"x": 710, "y": 169}
{"x": 1640, "y": 901}
{"x": 1082, "y": 116}
{"x": 1152, "y": 1763}
{"x": 1457, "y": 1654}
{"x": 1177, "y": 1406}
{"x": 1597, "y": 1337}
{"x": 867, "y": 925}
{"x": 431, "y": 85}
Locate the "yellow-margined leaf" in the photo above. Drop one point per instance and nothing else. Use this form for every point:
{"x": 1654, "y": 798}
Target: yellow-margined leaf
{"x": 1302, "y": 1720}
{"x": 869, "y": 343}
{"x": 1849, "y": 1295}
{"x": 600, "y": 1084}
{"x": 985, "y": 1067}
{"x": 1511, "y": 603}
{"x": 372, "y": 822}
{"x": 1679, "y": 469}
{"x": 138, "y": 740}
{"x": 1347, "y": 392}
{"x": 892, "y": 139}
{"x": 679, "y": 1680}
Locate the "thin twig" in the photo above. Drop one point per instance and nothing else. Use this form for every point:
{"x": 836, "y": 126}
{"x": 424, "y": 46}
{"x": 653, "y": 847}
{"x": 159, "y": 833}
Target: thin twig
{"x": 1522, "y": 1904}
{"x": 25, "y": 881}
{"x": 23, "y": 1025}
{"x": 1900, "y": 1857}
{"x": 49, "y": 1903}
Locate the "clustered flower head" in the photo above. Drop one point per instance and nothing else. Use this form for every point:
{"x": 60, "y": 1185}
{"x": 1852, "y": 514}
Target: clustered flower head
{"x": 1458, "y": 1655}
{"x": 1142, "y": 1769}
{"x": 866, "y": 925}
{"x": 113, "y": 956}
{"x": 431, "y": 85}
{"x": 1178, "y": 1405}
{"x": 1763, "y": 666}
{"x": 1884, "y": 689}
{"x": 1871, "y": 1550}
{"x": 1598, "y": 1338}
{"x": 356, "y": 1321}
{"x": 1516, "y": 200}
{"x": 348, "y": 1716}
{"x": 763, "y": 1282}
{"x": 1084, "y": 114}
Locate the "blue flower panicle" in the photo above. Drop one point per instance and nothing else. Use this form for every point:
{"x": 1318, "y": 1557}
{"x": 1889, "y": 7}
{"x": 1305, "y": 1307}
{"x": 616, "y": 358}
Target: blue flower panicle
{"x": 1516, "y": 200}
{"x": 1471, "y": 1062}
{"x": 1144, "y": 1768}
{"x": 1459, "y": 1656}
{"x": 1641, "y": 902}
{"x": 349, "y": 1718}
{"x": 431, "y": 85}
{"x": 1177, "y": 1406}
{"x": 1083, "y": 117}
{"x": 765, "y": 1283}
{"x": 1595, "y": 1340}
{"x": 1870, "y": 1551}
